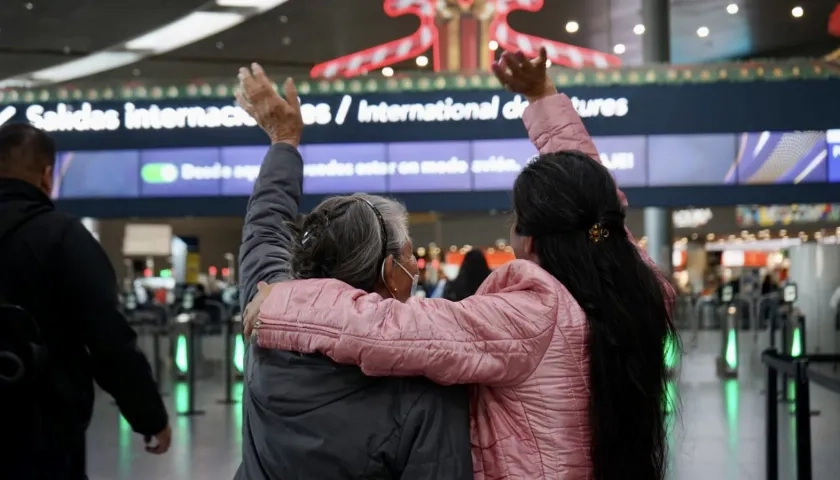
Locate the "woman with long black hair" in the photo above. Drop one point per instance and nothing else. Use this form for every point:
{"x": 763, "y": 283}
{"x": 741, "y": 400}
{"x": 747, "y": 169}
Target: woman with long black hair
{"x": 474, "y": 270}
{"x": 565, "y": 344}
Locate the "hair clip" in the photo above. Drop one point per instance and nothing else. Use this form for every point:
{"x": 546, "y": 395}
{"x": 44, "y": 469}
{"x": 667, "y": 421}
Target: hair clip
{"x": 597, "y": 233}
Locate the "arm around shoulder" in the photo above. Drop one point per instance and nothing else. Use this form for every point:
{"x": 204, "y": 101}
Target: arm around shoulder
{"x": 495, "y": 337}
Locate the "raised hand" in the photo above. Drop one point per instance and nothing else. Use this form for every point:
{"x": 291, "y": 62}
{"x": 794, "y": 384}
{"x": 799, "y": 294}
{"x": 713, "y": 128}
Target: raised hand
{"x": 279, "y": 118}
{"x": 527, "y": 77}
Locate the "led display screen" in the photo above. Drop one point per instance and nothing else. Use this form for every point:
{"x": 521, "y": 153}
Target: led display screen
{"x": 833, "y": 141}
{"x": 782, "y": 157}
{"x": 99, "y": 174}
{"x": 429, "y": 167}
{"x": 181, "y": 172}
{"x": 496, "y": 163}
{"x": 677, "y": 160}
{"x": 348, "y": 168}
{"x": 481, "y": 165}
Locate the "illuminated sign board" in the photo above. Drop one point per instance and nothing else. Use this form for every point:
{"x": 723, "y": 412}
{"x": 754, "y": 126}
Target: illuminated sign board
{"x": 403, "y": 167}
{"x": 85, "y": 117}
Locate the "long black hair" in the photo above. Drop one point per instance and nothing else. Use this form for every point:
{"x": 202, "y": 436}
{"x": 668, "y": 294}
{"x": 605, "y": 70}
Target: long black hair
{"x": 558, "y": 199}
{"x": 474, "y": 270}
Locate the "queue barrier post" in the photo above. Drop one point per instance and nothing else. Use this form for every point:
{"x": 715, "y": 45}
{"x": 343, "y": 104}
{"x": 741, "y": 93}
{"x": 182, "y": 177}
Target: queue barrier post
{"x": 728, "y": 360}
{"x": 188, "y": 321}
{"x": 802, "y": 414}
{"x": 772, "y": 420}
{"x": 230, "y": 340}
{"x": 801, "y": 370}
{"x": 784, "y": 394}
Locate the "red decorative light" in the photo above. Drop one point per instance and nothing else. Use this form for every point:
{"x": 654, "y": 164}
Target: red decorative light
{"x": 147, "y": 272}
{"x": 391, "y": 52}
{"x": 834, "y": 22}
{"x": 562, "y": 54}
{"x": 212, "y": 271}
{"x": 225, "y": 272}
{"x": 428, "y": 36}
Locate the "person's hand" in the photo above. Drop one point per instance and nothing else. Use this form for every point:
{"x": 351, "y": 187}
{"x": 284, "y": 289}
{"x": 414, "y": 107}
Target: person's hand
{"x": 159, "y": 444}
{"x": 527, "y": 77}
{"x": 252, "y": 310}
{"x": 280, "y": 118}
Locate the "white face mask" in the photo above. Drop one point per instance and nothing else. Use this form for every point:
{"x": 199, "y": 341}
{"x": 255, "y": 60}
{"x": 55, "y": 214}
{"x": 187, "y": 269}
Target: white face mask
{"x": 415, "y": 279}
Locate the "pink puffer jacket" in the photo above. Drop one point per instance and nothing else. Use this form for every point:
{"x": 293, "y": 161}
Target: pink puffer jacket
{"x": 522, "y": 340}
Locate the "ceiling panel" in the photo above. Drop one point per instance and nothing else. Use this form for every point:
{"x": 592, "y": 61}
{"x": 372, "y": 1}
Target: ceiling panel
{"x": 301, "y": 33}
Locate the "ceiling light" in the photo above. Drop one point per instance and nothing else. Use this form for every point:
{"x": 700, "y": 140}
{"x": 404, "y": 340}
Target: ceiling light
{"x": 388, "y": 72}
{"x": 261, "y": 5}
{"x": 547, "y": 63}
{"x": 639, "y": 29}
{"x": 187, "y": 30}
{"x": 191, "y": 28}
{"x": 572, "y": 27}
{"x": 732, "y": 8}
{"x": 619, "y": 48}
{"x": 703, "y": 32}
{"x": 422, "y": 61}
{"x": 89, "y": 65}
{"x": 494, "y": 45}
{"x": 797, "y": 12}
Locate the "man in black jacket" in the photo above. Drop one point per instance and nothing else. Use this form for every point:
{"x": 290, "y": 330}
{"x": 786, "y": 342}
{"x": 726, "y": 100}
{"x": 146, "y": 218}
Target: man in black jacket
{"x": 305, "y": 417}
{"x": 52, "y": 267}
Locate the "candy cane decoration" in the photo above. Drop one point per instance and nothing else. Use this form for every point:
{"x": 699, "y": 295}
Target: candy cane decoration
{"x": 559, "y": 53}
{"x": 427, "y": 36}
{"x": 392, "y": 52}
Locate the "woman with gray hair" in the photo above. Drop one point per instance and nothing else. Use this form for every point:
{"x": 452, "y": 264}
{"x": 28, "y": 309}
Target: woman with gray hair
{"x": 305, "y": 416}
{"x": 361, "y": 240}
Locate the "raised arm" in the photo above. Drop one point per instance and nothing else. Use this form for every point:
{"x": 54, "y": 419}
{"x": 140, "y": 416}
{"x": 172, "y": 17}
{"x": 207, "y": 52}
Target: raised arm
{"x": 264, "y": 253}
{"x": 496, "y": 337}
{"x": 553, "y": 124}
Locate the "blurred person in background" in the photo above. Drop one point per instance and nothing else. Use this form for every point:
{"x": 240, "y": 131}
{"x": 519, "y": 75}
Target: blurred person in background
{"x": 305, "y": 416}
{"x": 56, "y": 271}
{"x": 565, "y": 344}
{"x": 473, "y": 272}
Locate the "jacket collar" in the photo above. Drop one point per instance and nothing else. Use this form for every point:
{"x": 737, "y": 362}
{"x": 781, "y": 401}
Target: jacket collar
{"x": 14, "y": 190}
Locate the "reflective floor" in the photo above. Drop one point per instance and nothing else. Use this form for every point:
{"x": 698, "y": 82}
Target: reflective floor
{"x": 718, "y": 433}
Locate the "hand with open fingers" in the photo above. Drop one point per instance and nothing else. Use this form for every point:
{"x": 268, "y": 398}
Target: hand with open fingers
{"x": 525, "y": 76}
{"x": 252, "y": 310}
{"x": 279, "y": 117}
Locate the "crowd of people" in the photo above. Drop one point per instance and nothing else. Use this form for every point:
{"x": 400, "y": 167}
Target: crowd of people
{"x": 550, "y": 366}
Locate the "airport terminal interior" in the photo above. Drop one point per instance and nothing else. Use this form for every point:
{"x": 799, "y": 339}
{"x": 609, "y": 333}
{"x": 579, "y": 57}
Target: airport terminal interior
{"x": 717, "y": 118}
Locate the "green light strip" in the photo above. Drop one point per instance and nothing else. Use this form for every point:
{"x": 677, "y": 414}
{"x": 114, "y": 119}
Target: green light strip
{"x": 796, "y": 343}
{"x": 182, "y": 362}
{"x": 732, "y": 349}
{"x": 239, "y": 354}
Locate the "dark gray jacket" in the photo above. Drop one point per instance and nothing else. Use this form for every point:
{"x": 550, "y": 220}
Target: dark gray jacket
{"x": 306, "y": 417}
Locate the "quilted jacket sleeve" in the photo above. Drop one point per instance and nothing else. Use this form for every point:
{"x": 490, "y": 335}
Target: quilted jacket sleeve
{"x": 497, "y": 337}
{"x": 554, "y": 125}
